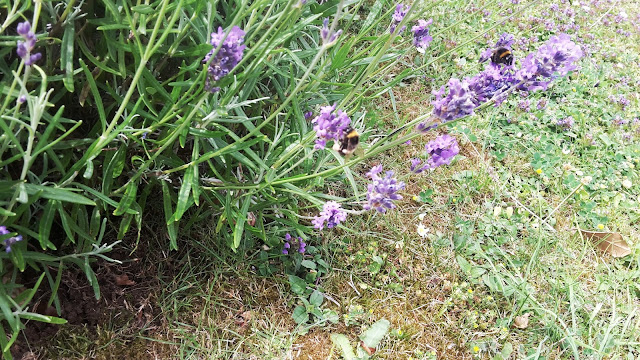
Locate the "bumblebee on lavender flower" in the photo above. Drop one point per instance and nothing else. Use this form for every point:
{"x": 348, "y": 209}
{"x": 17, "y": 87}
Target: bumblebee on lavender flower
{"x": 501, "y": 52}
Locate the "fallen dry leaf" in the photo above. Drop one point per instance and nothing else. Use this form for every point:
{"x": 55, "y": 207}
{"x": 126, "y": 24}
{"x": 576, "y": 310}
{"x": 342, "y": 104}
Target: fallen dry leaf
{"x": 123, "y": 280}
{"x": 611, "y": 243}
{"x": 251, "y": 219}
{"x": 242, "y": 319}
{"x": 367, "y": 349}
{"x": 522, "y": 321}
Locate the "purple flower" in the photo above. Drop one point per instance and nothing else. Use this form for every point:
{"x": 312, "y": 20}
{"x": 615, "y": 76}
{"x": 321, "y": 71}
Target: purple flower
{"x": 297, "y": 243}
{"x": 417, "y": 166}
{"x": 619, "y": 121}
{"x": 329, "y": 125}
{"x": 396, "y": 18}
{"x": 382, "y": 190}
{"x": 308, "y": 115}
{"x": 9, "y": 241}
{"x": 327, "y": 36}
{"x": 25, "y": 47}
{"x": 302, "y": 246}
{"x": 421, "y": 37}
{"x": 332, "y": 213}
{"x": 459, "y": 102}
{"x": 553, "y": 59}
{"x": 566, "y": 123}
{"x": 228, "y": 55}
{"x": 542, "y": 104}
{"x": 494, "y": 80}
{"x": 441, "y": 150}
{"x": 423, "y": 127}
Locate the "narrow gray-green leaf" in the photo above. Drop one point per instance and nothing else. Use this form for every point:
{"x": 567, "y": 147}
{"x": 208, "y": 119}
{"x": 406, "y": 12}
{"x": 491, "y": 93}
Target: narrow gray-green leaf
{"x": 241, "y": 218}
{"x": 66, "y": 54}
{"x": 44, "y": 228}
{"x": 128, "y": 197}
{"x": 62, "y": 194}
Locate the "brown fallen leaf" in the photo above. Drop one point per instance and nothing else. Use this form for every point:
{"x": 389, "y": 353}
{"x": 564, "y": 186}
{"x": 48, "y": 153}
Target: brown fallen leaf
{"x": 123, "y": 280}
{"x": 522, "y": 321}
{"x": 368, "y": 350}
{"x": 610, "y": 243}
{"x": 242, "y": 319}
{"x": 251, "y": 219}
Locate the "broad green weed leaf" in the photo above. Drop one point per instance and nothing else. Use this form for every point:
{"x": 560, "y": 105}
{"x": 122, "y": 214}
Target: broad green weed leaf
{"x": 375, "y": 333}
{"x": 300, "y": 315}
{"x": 343, "y": 344}
{"x": 298, "y": 285}
{"x": 316, "y": 298}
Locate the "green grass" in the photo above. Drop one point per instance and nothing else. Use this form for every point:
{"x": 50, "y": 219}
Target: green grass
{"x": 456, "y": 293}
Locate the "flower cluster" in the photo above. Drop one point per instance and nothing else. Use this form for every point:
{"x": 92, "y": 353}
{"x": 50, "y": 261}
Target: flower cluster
{"x": 421, "y": 37}
{"x": 459, "y": 102}
{"x": 382, "y": 190}
{"x": 566, "y": 123}
{"x": 330, "y": 125}
{"x": 10, "y": 241}
{"x": 226, "y": 54}
{"x": 25, "y": 47}
{"x": 396, "y": 18}
{"x": 297, "y": 243}
{"x": 494, "y": 80}
{"x": 441, "y": 150}
{"x": 553, "y": 59}
{"x": 332, "y": 213}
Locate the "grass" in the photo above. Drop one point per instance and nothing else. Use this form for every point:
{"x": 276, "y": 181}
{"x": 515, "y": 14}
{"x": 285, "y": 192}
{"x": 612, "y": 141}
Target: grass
{"x": 488, "y": 259}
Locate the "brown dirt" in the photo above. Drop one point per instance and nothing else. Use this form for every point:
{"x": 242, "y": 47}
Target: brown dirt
{"x": 127, "y": 304}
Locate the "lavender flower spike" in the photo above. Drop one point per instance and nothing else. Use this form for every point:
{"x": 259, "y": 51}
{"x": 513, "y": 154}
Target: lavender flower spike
{"x": 396, "y": 18}
{"x": 332, "y": 213}
{"x": 382, "y": 190}
{"x": 553, "y": 59}
{"x": 494, "y": 80}
{"x": 25, "y": 47}
{"x": 442, "y": 150}
{"x": 458, "y": 103}
{"x": 328, "y": 37}
{"x": 421, "y": 37}
{"x": 329, "y": 125}
{"x": 229, "y": 54}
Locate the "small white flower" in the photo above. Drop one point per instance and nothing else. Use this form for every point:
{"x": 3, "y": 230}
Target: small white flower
{"x": 627, "y": 183}
{"x": 421, "y": 216}
{"x": 586, "y": 180}
{"x": 422, "y": 231}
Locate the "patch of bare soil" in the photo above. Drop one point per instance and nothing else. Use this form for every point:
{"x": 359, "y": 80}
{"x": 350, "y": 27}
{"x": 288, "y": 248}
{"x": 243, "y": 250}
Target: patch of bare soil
{"x": 127, "y": 304}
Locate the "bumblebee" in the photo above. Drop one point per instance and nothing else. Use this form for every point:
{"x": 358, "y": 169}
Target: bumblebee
{"x": 502, "y": 56}
{"x": 349, "y": 142}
